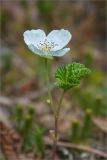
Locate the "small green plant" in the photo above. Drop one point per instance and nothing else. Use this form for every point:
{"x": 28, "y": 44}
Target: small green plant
{"x": 32, "y": 135}
{"x": 75, "y": 131}
{"x": 93, "y": 97}
{"x": 26, "y": 131}
{"x": 24, "y": 122}
{"x": 87, "y": 125}
{"x": 80, "y": 132}
{"x": 66, "y": 77}
{"x": 40, "y": 146}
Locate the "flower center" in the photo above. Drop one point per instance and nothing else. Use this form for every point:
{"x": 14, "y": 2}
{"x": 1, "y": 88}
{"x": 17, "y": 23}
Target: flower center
{"x": 46, "y": 46}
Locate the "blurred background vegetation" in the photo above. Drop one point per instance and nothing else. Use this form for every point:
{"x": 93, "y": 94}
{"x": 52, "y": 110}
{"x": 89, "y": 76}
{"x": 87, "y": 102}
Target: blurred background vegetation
{"x": 86, "y": 20}
{"x": 23, "y": 73}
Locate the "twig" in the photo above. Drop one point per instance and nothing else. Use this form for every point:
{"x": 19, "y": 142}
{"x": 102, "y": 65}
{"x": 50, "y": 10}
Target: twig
{"x": 101, "y": 123}
{"x": 78, "y": 147}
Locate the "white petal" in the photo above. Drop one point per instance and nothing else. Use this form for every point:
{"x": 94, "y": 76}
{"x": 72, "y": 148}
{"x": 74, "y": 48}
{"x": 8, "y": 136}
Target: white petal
{"x": 39, "y": 52}
{"x": 34, "y": 36}
{"x": 59, "y": 37}
{"x": 61, "y": 52}
{"x": 35, "y": 50}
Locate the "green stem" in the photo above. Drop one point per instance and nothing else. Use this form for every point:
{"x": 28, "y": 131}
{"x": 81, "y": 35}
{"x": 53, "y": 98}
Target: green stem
{"x": 55, "y": 111}
{"x": 48, "y": 85}
{"x": 60, "y": 102}
{"x": 56, "y": 125}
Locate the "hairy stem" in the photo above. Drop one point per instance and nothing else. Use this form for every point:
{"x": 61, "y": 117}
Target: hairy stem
{"x": 55, "y": 111}
{"x": 60, "y": 102}
{"x": 48, "y": 85}
{"x": 51, "y": 105}
{"x": 56, "y": 138}
{"x": 56, "y": 125}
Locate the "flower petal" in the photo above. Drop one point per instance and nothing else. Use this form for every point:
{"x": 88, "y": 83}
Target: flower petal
{"x": 35, "y": 50}
{"x": 61, "y": 52}
{"x": 39, "y": 52}
{"x": 34, "y": 36}
{"x": 60, "y": 37}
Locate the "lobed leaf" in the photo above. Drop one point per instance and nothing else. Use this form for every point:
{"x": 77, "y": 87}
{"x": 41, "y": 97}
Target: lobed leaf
{"x": 68, "y": 76}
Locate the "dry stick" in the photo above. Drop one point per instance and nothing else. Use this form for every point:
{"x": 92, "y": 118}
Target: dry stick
{"x": 82, "y": 147}
{"x": 77, "y": 146}
{"x": 101, "y": 124}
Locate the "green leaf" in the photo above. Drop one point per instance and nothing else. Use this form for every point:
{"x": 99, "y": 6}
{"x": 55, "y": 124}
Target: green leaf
{"x": 68, "y": 76}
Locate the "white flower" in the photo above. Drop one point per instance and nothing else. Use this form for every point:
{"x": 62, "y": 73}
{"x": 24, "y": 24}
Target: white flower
{"x": 48, "y": 46}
